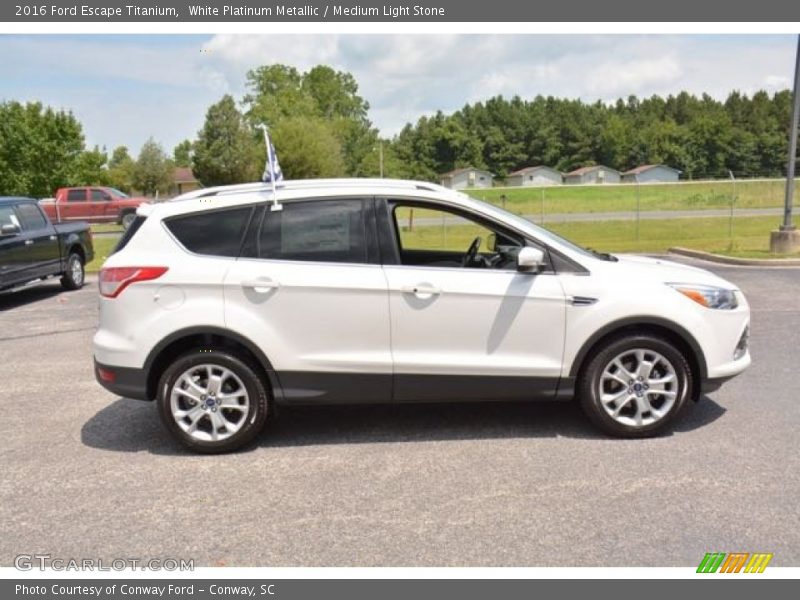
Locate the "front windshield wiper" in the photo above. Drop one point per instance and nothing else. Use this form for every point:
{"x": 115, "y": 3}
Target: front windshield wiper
{"x": 603, "y": 255}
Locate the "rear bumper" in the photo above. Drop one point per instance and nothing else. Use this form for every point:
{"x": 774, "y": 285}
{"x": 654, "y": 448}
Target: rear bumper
{"x": 122, "y": 381}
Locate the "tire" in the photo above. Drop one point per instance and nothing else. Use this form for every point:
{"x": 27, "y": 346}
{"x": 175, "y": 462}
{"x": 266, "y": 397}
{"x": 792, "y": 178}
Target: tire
{"x": 74, "y": 275}
{"x": 212, "y": 425}
{"x": 616, "y": 400}
{"x": 127, "y": 219}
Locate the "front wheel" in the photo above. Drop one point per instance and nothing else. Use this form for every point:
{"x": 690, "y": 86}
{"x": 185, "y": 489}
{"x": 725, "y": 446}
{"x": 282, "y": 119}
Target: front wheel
{"x": 212, "y": 401}
{"x": 73, "y": 276}
{"x": 635, "y": 386}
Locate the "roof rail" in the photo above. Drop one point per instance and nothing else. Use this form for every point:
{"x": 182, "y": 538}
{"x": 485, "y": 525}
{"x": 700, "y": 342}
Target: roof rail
{"x": 299, "y": 184}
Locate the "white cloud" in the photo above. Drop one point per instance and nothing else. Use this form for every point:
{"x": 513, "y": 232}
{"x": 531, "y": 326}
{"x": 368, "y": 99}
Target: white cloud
{"x": 128, "y": 87}
{"x": 633, "y": 76}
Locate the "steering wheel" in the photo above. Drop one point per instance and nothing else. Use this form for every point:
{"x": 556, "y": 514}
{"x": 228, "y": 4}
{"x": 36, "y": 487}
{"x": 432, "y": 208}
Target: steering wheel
{"x": 472, "y": 252}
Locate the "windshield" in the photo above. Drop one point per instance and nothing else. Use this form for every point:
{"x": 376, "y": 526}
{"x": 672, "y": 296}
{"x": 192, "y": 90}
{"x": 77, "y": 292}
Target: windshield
{"x": 116, "y": 192}
{"x": 539, "y": 232}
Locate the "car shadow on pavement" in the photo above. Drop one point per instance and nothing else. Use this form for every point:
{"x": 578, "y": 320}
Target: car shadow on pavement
{"x": 21, "y": 297}
{"x": 134, "y": 426}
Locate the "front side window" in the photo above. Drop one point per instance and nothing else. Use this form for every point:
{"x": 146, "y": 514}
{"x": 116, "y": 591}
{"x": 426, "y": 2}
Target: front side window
{"x": 429, "y": 235}
{"x": 7, "y": 217}
{"x": 212, "y": 233}
{"x": 315, "y": 231}
{"x": 100, "y": 196}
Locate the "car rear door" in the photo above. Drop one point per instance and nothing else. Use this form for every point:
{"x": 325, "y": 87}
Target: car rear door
{"x": 76, "y": 206}
{"x": 467, "y": 332}
{"x": 310, "y": 292}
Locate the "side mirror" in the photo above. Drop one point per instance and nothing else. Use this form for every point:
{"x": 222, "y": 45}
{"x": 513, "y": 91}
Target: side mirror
{"x": 9, "y": 229}
{"x": 530, "y": 259}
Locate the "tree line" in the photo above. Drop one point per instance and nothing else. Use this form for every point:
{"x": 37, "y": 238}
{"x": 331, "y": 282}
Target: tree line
{"x": 319, "y": 124}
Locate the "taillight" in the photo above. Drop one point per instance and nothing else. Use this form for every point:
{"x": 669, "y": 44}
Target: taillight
{"x": 115, "y": 279}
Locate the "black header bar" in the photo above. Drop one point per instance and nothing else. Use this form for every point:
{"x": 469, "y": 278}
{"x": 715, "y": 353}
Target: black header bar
{"x": 782, "y": 11}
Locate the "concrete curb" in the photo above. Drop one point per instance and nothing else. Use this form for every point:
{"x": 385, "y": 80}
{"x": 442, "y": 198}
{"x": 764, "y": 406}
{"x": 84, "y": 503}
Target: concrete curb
{"x": 731, "y": 260}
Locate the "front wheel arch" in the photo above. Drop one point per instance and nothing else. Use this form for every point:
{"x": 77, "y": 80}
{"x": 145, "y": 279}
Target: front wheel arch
{"x": 672, "y": 332}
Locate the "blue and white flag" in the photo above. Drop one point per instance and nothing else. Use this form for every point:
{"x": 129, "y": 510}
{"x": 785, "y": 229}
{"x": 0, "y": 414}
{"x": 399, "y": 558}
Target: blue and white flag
{"x": 272, "y": 170}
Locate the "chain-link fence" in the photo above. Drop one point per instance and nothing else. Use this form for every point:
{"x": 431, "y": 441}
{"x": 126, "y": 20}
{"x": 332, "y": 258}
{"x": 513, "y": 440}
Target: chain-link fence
{"x": 731, "y": 215}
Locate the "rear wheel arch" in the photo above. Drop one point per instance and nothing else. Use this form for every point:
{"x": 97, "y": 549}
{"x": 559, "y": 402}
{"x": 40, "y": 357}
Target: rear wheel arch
{"x": 207, "y": 338}
{"x": 668, "y": 330}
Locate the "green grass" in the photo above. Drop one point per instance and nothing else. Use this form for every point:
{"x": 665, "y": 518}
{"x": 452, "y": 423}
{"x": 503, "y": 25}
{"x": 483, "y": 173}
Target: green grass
{"x": 622, "y": 197}
{"x": 102, "y": 248}
{"x": 106, "y": 227}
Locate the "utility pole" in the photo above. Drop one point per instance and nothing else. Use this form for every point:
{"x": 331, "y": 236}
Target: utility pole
{"x": 380, "y": 154}
{"x": 786, "y": 238}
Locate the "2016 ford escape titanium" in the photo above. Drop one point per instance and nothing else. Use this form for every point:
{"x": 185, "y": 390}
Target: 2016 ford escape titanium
{"x": 228, "y": 301}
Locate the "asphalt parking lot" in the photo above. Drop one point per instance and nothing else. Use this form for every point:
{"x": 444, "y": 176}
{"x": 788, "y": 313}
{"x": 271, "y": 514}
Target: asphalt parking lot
{"x": 85, "y": 474}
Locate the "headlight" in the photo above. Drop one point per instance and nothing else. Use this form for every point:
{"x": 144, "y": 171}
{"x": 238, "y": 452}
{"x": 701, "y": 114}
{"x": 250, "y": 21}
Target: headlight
{"x": 707, "y": 295}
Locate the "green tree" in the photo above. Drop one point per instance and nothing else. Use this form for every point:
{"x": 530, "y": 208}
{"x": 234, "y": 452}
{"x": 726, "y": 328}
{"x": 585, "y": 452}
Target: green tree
{"x": 182, "y": 154}
{"x": 226, "y": 150}
{"x": 152, "y": 172}
{"x": 120, "y": 169}
{"x": 307, "y": 148}
{"x": 90, "y": 168}
{"x": 278, "y": 92}
{"x": 40, "y": 149}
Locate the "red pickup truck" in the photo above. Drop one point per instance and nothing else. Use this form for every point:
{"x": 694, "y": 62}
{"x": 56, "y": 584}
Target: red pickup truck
{"x": 92, "y": 204}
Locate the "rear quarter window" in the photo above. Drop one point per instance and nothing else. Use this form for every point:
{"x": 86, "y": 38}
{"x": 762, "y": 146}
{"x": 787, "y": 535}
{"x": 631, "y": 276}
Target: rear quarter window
{"x": 212, "y": 233}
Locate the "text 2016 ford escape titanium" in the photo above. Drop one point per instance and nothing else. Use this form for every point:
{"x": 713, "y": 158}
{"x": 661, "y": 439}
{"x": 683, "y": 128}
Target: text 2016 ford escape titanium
{"x": 227, "y": 301}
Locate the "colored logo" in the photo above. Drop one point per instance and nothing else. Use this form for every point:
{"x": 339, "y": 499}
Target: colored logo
{"x": 734, "y": 562}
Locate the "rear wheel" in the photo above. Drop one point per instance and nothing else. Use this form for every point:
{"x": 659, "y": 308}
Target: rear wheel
{"x": 212, "y": 402}
{"x": 635, "y": 386}
{"x": 73, "y": 276}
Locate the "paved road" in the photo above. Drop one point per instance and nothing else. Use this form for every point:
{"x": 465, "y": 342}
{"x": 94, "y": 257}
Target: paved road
{"x": 85, "y": 474}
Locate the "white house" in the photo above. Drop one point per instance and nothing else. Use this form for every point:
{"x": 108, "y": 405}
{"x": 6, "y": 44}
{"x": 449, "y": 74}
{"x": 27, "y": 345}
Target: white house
{"x": 593, "y": 174}
{"x": 469, "y": 177}
{"x": 651, "y": 174}
{"x": 531, "y": 176}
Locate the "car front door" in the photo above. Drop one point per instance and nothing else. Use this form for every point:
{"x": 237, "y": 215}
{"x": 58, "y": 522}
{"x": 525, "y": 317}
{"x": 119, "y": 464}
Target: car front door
{"x": 467, "y": 327}
{"x": 103, "y": 209}
{"x": 310, "y": 292}
{"x": 43, "y": 254}
{"x": 13, "y": 255}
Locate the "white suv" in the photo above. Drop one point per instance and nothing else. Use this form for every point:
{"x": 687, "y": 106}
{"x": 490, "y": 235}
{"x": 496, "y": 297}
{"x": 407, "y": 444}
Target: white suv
{"x": 228, "y": 301}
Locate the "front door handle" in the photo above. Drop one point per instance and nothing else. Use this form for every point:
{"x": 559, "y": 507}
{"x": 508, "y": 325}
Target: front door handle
{"x": 261, "y": 286}
{"x": 421, "y": 290}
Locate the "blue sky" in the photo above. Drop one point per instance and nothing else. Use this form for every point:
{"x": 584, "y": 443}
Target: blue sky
{"x": 125, "y": 88}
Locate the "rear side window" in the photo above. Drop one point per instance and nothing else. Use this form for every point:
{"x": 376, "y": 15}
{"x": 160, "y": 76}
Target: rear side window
{"x": 129, "y": 233}
{"x": 76, "y": 195}
{"x": 213, "y": 233}
{"x": 31, "y": 217}
{"x": 315, "y": 231}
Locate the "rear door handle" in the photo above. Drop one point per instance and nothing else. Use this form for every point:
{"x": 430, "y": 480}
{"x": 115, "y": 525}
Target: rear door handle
{"x": 421, "y": 290}
{"x": 261, "y": 286}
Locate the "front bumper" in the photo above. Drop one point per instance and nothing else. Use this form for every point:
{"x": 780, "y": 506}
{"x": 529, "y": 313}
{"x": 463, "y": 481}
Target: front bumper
{"x": 122, "y": 381}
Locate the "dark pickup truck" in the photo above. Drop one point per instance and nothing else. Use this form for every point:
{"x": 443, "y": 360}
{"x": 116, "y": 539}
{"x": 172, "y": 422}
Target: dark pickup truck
{"x": 32, "y": 248}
